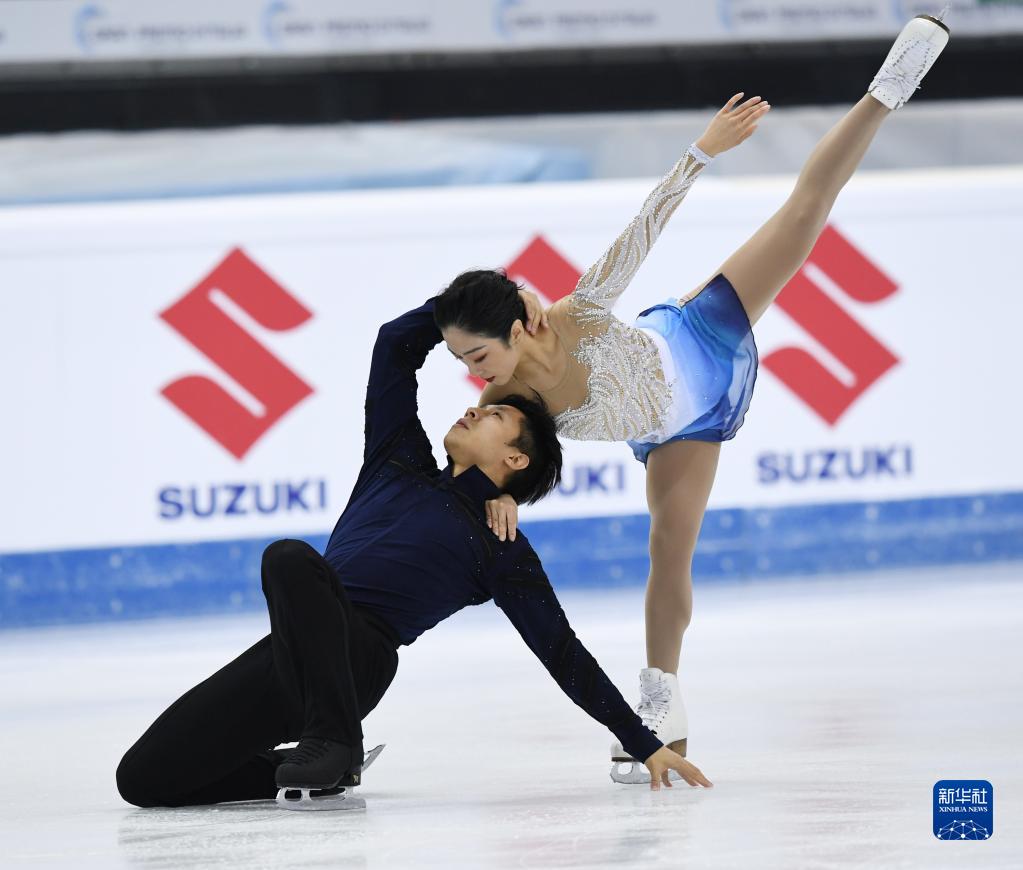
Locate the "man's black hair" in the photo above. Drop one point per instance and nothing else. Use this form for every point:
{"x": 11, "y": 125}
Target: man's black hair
{"x": 539, "y": 441}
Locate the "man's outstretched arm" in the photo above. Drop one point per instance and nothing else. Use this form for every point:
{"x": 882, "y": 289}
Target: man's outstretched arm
{"x": 401, "y": 348}
{"x": 525, "y": 595}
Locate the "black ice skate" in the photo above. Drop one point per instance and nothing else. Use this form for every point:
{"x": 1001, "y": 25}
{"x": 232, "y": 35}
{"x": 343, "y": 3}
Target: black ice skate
{"x": 321, "y": 775}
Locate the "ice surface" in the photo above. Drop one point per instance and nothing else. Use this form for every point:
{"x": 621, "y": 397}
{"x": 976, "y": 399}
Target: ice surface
{"x": 824, "y": 711}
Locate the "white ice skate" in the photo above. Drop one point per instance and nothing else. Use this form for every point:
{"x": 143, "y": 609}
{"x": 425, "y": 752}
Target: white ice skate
{"x": 341, "y": 797}
{"x": 662, "y": 711}
{"x": 914, "y": 52}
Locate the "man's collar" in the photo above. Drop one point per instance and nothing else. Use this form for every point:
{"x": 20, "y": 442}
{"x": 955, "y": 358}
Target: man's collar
{"x": 471, "y": 482}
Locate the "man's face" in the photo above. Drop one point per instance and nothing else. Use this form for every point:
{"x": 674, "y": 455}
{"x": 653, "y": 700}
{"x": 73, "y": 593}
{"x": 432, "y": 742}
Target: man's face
{"x": 484, "y": 437}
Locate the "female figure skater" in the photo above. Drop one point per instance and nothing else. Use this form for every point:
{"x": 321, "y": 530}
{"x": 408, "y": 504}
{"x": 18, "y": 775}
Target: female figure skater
{"x": 678, "y": 382}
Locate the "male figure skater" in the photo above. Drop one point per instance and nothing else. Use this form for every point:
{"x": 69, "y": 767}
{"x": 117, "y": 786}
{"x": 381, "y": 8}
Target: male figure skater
{"x": 410, "y": 549}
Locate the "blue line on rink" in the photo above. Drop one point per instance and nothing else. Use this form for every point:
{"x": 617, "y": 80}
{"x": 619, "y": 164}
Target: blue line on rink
{"x": 739, "y": 544}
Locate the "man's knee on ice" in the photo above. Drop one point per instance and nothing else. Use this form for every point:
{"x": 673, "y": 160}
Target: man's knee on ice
{"x": 133, "y": 783}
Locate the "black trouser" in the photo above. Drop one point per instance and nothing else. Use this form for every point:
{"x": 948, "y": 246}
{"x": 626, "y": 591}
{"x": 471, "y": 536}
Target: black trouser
{"x": 322, "y": 668}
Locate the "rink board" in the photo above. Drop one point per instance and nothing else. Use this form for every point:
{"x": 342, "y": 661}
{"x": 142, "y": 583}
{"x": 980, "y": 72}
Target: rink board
{"x": 601, "y": 552}
{"x": 186, "y": 380}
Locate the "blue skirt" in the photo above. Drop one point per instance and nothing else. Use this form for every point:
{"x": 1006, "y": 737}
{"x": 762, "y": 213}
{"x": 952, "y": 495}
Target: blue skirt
{"x": 711, "y": 344}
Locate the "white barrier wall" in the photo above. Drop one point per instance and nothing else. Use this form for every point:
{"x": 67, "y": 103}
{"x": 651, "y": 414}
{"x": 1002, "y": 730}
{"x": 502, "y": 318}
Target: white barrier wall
{"x": 142, "y": 359}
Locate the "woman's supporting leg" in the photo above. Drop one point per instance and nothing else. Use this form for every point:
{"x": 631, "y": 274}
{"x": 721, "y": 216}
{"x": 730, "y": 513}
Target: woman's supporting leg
{"x": 763, "y": 265}
{"x": 679, "y": 477}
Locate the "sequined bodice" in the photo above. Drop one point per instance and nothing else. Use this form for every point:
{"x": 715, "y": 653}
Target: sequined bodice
{"x": 628, "y": 394}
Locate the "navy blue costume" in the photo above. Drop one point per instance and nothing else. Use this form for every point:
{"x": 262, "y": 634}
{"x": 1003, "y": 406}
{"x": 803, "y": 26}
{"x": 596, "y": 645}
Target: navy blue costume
{"x": 410, "y": 549}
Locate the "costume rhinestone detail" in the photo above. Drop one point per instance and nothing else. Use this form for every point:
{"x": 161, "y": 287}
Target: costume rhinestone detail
{"x": 627, "y": 394}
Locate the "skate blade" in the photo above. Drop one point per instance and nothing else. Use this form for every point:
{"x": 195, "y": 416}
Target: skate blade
{"x": 312, "y": 799}
{"x": 635, "y": 773}
{"x": 354, "y": 778}
{"x": 372, "y": 756}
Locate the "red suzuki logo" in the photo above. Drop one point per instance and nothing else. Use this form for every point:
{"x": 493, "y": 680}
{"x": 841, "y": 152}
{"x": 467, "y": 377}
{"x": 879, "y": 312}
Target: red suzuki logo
{"x": 833, "y": 261}
{"x": 201, "y": 319}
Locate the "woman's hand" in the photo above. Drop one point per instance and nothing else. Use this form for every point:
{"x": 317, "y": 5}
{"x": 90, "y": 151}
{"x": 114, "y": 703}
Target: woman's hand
{"x": 535, "y": 315}
{"x": 503, "y": 516}
{"x": 664, "y": 760}
{"x": 735, "y": 123}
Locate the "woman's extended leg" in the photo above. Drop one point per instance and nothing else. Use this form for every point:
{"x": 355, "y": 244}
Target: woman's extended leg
{"x": 680, "y": 474}
{"x": 679, "y": 477}
{"x": 764, "y": 264}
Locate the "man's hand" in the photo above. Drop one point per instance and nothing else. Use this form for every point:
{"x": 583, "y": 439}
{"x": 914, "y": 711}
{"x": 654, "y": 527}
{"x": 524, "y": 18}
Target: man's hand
{"x": 664, "y": 760}
{"x": 535, "y": 314}
{"x": 503, "y": 516}
{"x": 733, "y": 124}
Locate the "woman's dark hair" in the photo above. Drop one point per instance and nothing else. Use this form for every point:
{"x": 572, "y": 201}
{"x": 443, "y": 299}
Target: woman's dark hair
{"x": 482, "y": 302}
{"x": 539, "y": 441}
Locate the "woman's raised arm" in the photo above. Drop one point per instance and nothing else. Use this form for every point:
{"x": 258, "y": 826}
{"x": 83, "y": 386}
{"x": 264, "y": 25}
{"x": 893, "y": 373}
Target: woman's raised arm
{"x": 607, "y": 279}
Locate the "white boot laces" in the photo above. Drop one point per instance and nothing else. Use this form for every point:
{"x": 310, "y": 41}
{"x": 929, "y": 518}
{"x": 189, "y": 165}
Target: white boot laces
{"x": 903, "y": 74}
{"x": 654, "y": 703}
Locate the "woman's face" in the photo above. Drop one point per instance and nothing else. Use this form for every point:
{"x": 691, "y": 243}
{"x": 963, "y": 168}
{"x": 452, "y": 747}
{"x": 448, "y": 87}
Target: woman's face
{"x": 487, "y": 358}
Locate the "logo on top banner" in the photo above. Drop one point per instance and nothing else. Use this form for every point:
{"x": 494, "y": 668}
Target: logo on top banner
{"x": 203, "y": 317}
{"x": 833, "y": 263}
{"x": 111, "y": 29}
{"x": 534, "y": 22}
{"x": 84, "y": 17}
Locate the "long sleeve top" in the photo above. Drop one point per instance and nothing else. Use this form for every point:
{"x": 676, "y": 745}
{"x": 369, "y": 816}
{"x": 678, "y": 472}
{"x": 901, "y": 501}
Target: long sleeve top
{"x": 629, "y": 394}
{"x": 412, "y": 545}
